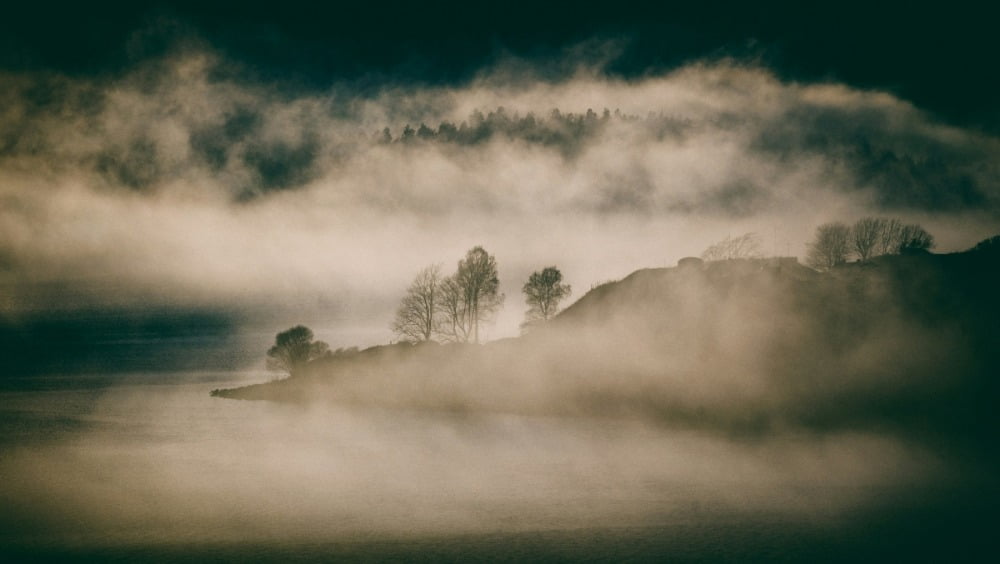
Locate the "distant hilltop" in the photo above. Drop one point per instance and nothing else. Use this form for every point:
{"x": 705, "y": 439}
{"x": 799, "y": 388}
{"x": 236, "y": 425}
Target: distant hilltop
{"x": 744, "y": 344}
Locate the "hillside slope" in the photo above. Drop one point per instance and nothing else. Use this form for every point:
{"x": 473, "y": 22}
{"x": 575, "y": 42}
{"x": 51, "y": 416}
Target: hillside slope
{"x": 909, "y": 342}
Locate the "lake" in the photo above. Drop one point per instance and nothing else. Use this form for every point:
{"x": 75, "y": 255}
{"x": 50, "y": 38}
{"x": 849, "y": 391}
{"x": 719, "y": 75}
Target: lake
{"x": 148, "y": 466}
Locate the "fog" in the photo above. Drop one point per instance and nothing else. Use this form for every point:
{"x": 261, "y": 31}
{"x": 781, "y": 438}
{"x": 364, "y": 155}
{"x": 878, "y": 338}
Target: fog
{"x": 175, "y": 184}
{"x": 200, "y": 209}
{"x": 166, "y": 464}
{"x": 745, "y": 347}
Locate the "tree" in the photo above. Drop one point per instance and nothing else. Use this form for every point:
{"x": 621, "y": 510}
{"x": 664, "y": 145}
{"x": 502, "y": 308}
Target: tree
{"x": 454, "y": 322}
{"x": 914, "y": 238}
{"x": 293, "y": 349}
{"x": 865, "y": 236}
{"x": 831, "y": 246}
{"x": 744, "y": 246}
{"x": 542, "y": 292}
{"x": 417, "y": 316}
{"x": 890, "y": 236}
{"x": 874, "y": 236}
{"x": 473, "y": 294}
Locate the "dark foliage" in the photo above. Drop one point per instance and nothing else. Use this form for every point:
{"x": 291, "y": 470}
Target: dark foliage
{"x": 542, "y": 292}
{"x": 293, "y": 349}
{"x": 566, "y": 132}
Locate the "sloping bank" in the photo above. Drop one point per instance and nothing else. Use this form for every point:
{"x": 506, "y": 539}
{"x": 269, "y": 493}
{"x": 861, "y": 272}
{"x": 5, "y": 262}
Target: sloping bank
{"x": 904, "y": 341}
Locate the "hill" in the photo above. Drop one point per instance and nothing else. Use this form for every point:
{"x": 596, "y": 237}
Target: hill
{"x": 901, "y": 342}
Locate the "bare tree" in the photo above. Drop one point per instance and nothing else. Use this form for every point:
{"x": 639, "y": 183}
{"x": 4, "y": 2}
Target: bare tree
{"x": 417, "y": 316}
{"x": 865, "y": 236}
{"x": 890, "y": 236}
{"x": 542, "y": 292}
{"x": 744, "y": 246}
{"x": 293, "y": 349}
{"x": 475, "y": 294}
{"x": 914, "y": 238}
{"x": 874, "y": 236}
{"x": 454, "y": 324}
{"x": 830, "y": 247}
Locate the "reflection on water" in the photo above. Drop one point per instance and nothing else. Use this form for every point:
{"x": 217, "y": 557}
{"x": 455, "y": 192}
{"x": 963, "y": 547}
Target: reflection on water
{"x": 150, "y": 465}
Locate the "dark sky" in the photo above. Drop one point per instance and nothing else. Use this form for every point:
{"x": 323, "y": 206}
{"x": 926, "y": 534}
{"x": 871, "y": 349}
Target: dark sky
{"x": 940, "y": 58}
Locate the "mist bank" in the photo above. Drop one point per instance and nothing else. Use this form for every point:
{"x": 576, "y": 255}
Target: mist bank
{"x": 174, "y": 184}
{"x": 700, "y": 413}
{"x": 166, "y": 471}
{"x": 748, "y": 346}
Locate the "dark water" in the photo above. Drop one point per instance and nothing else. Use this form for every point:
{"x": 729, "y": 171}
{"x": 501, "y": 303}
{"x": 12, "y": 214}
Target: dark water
{"x": 148, "y": 467}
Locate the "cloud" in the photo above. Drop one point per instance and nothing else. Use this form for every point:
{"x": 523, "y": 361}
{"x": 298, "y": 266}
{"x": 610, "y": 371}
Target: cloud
{"x": 177, "y": 184}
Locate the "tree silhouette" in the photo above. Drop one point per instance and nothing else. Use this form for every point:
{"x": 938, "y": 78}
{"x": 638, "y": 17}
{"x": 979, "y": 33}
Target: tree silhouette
{"x": 831, "y": 246}
{"x": 293, "y": 349}
{"x": 914, "y": 238}
{"x": 744, "y": 246}
{"x": 874, "y": 236}
{"x": 542, "y": 292}
{"x": 472, "y": 295}
{"x": 566, "y": 132}
{"x": 408, "y": 134}
{"x": 417, "y": 316}
{"x": 890, "y": 233}
{"x": 865, "y": 236}
{"x": 454, "y": 323}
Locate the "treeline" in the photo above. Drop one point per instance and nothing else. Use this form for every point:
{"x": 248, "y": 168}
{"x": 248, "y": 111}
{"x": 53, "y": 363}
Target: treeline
{"x": 744, "y": 246}
{"x": 437, "y": 307}
{"x": 835, "y": 243}
{"x": 452, "y": 308}
{"x": 564, "y": 130}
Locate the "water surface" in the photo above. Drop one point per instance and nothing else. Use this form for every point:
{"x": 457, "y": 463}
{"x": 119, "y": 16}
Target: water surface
{"x": 150, "y": 466}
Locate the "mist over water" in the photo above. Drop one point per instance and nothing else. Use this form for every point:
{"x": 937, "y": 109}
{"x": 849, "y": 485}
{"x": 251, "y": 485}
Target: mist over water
{"x": 145, "y": 463}
{"x": 159, "y": 224}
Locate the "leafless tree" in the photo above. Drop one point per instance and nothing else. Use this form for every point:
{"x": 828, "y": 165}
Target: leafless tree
{"x": 889, "y": 236}
{"x": 866, "y": 235}
{"x": 542, "y": 292}
{"x": 913, "y": 237}
{"x": 453, "y": 325}
{"x": 745, "y": 246}
{"x": 417, "y": 316}
{"x": 874, "y": 236}
{"x": 830, "y": 247}
{"x": 477, "y": 285}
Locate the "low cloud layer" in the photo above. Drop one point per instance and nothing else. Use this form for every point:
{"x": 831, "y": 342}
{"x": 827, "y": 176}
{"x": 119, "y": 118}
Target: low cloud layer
{"x": 160, "y": 464}
{"x": 176, "y": 185}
